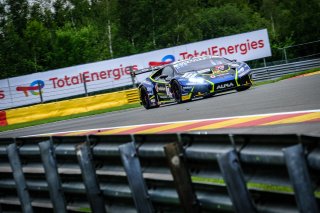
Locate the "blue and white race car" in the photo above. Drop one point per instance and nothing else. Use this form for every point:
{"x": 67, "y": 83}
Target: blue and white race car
{"x": 182, "y": 81}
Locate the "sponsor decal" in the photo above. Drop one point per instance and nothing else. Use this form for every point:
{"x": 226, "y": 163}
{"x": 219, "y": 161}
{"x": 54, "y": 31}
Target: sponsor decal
{"x": 189, "y": 75}
{"x": 219, "y": 71}
{"x": 186, "y": 62}
{"x": 185, "y": 97}
{"x": 115, "y": 72}
{"x": 161, "y": 89}
{"x": 219, "y": 67}
{"x": 91, "y": 76}
{"x": 226, "y": 85}
{"x": 242, "y": 48}
{"x": 2, "y": 95}
{"x": 187, "y": 87}
{"x": 165, "y": 60}
{"x": 34, "y": 88}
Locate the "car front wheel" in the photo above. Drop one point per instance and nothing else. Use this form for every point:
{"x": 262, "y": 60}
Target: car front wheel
{"x": 243, "y": 88}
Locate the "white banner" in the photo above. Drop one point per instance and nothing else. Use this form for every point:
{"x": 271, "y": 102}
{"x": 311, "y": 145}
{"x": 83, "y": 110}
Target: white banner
{"x": 113, "y": 73}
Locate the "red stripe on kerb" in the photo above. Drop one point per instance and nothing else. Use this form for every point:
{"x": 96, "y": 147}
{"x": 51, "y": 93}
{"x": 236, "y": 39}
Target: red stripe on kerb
{"x": 265, "y": 120}
{"x": 139, "y": 128}
{"x": 3, "y": 118}
{"x": 89, "y": 132}
{"x": 193, "y": 125}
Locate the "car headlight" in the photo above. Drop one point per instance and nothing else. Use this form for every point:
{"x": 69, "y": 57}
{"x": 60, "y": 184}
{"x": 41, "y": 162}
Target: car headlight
{"x": 196, "y": 80}
{"x": 241, "y": 70}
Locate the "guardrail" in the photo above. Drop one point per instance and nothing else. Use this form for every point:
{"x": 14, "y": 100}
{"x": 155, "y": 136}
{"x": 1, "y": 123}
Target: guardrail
{"x": 161, "y": 173}
{"x": 277, "y": 71}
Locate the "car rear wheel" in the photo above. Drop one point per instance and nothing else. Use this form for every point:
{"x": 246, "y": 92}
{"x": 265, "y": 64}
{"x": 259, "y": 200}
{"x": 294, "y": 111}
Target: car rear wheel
{"x": 176, "y": 91}
{"x": 144, "y": 97}
{"x": 243, "y": 88}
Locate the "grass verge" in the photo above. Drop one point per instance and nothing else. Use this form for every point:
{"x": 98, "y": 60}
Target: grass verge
{"x": 49, "y": 120}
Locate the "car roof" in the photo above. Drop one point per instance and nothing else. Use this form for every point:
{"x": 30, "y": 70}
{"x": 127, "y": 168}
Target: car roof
{"x": 200, "y": 58}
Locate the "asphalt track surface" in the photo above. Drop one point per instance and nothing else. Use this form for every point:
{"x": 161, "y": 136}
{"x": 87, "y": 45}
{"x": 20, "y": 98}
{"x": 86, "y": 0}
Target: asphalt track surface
{"x": 296, "y": 94}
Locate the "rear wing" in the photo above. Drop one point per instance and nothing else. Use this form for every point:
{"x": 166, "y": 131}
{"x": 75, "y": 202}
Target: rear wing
{"x": 145, "y": 70}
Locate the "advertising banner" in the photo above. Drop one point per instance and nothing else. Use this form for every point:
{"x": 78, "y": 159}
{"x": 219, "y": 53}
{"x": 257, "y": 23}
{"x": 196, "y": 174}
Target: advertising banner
{"x": 71, "y": 81}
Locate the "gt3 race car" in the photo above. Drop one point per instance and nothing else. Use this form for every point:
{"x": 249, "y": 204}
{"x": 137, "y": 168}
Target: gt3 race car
{"x": 184, "y": 80}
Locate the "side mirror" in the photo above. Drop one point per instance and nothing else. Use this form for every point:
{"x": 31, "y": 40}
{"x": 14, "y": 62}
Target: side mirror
{"x": 234, "y": 60}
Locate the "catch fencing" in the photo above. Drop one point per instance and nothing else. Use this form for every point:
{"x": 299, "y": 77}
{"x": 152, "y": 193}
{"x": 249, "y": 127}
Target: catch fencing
{"x": 161, "y": 173}
{"x": 277, "y": 71}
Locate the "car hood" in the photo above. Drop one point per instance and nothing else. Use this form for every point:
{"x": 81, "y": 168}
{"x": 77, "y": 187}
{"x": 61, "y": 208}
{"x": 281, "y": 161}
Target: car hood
{"x": 212, "y": 72}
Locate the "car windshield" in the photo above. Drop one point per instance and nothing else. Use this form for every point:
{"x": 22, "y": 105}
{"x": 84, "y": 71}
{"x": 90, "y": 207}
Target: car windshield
{"x": 199, "y": 64}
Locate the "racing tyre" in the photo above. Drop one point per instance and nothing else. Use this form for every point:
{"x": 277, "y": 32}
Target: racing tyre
{"x": 176, "y": 91}
{"x": 144, "y": 97}
{"x": 208, "y": 96}
{"x": 243, "y": 88}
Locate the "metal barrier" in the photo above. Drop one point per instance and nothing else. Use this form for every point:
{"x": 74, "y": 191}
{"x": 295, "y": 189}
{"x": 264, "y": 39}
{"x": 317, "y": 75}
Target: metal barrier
{"x": 161, "y": 173}
{"x": 273, "y": 72}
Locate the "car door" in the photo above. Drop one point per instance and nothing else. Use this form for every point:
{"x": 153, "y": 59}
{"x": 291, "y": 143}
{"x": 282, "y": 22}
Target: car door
{"x": 162, "y": 85}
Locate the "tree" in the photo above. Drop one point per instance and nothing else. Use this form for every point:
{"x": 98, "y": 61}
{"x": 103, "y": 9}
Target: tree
{"x": 50, "y": 34}
{"x": 76, "y": 46}
{"x": 37, "y": 37}
{"x": 229, "y": 19}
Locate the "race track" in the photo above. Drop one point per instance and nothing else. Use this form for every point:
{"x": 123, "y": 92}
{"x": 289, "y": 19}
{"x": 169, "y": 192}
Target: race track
{"x": 296, "y": 94}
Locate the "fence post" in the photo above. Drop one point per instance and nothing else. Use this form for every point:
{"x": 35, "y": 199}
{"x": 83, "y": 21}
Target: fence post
{"x": 133, "y": 75}
{"x": 10, "y": 92}
{"x": 89, "y": 176}
{"x": 136, "y": 182}
{"x": 264, "y": 62}
{"x": 18, "y": 175}
{"x": 52, "y": 176}
{"x": 85, "y": 84}
{"x": 285, "y": 55}
{"x": 236, "y": 185}
{"x": 40, "y": 92}
{"x": 181, "y": 177}
{"x": 300, "y": 178}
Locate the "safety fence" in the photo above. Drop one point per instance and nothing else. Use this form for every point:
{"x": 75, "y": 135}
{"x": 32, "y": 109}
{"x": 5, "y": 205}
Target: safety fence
{"x": 161, "y": 173}
{"x": 277, "y": 71}
{"x": 68, "y": 107}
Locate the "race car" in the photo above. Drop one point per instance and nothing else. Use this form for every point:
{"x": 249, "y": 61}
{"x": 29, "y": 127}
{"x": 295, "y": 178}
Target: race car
{"x": 185, "y": 80}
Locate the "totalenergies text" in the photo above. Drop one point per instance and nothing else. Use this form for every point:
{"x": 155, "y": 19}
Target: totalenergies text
{"x": 87, "y": 76}
{"x": 242, "y": 48}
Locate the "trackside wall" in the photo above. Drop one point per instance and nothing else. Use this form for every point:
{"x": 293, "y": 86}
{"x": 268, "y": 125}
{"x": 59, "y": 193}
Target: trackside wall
{"x": 3, "y": 118}
{"x": 68, "y": 107}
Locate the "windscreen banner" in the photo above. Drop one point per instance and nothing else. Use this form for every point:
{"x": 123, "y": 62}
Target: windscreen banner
{"x": 102, "y": 75}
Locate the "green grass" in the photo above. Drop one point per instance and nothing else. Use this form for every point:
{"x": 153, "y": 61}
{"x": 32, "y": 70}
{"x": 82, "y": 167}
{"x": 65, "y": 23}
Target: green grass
{"x": 49, "y": 120}
{"x": 251, "y": 185}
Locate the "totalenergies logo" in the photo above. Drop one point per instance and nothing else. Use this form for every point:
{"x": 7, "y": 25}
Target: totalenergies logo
{"x": 34, "y": 88}
{"x": 165, "y": 60}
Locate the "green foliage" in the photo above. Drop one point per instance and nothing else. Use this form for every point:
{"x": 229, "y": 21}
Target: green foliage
{"x": 37, "y": 39}
{"x": 45, "y": 35}
{"x": 229, "y": 19}
{"x": 76, "y": 46}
